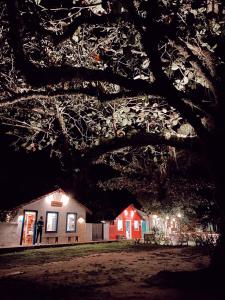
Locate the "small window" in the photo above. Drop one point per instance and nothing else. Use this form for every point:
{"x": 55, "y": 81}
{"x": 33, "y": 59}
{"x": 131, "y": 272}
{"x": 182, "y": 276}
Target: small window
{"x": 136, "y": 225}
{"x": 51, "y": 221}
{"x": 120, "y": 225}
{"x": 71, "y": 221}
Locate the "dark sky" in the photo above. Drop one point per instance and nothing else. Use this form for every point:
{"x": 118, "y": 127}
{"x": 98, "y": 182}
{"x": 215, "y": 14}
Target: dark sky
{"x": 25, "y": 176}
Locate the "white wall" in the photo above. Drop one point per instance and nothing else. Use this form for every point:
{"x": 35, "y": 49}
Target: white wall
{"x": 106, "y": 231}
{"x": 89, "y": 231}
{"x": 10, "y": 233}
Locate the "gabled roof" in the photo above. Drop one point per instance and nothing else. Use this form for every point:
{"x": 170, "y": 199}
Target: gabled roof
{"x": 53, "y": 192}
{"x": 140, "y": 213}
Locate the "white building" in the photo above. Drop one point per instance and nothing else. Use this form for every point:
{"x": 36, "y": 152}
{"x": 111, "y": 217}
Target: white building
{"x": 64, "y": 221}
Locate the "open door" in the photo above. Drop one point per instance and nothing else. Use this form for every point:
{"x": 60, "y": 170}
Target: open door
{"x": 29, "y": 228}
{"x": 128, "y": 230}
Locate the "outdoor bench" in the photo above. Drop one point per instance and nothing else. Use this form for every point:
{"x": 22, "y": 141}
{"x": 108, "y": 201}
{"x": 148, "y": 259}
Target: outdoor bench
{"x": 149, "y": 238}
{"x": 183, "y": 240}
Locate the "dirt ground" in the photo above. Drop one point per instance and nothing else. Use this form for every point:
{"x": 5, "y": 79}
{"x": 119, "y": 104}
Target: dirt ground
{"x": 116, "y": 275}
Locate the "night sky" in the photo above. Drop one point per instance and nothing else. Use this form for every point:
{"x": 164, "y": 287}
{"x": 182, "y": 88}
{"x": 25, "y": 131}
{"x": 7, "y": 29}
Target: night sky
{"x": 25, "y": 176}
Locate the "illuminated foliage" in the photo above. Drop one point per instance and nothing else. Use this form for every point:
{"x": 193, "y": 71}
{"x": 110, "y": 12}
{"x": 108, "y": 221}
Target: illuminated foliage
{"x": 85, "y": 78}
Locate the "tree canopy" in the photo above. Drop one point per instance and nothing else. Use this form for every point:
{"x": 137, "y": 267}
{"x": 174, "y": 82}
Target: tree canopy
{"x": 93, "y": 79}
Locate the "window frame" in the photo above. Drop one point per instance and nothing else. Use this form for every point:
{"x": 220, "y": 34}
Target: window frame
{"x": 121, "y": 223}
{"x": 57, "y": 221}
{"x": 136, "y": 228}
{"x": 71, "y": 213}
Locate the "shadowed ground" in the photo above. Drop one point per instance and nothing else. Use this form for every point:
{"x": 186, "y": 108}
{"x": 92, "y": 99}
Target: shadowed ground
{"x": 110, "y": 271}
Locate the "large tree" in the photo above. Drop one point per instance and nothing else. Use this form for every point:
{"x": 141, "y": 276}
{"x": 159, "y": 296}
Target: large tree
{"x": 87, "y": 77}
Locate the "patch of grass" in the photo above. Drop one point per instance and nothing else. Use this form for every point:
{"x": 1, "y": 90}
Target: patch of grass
{"x": 46, "y": 255}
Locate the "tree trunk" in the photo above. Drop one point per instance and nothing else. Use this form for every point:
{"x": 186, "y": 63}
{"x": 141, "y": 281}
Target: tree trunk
{"x": 218, "y": 257}
{"x": 217, "y": 160}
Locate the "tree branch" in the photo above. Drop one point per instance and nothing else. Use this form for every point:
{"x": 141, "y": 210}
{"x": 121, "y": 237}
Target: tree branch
{"x": 139, "y": 140}
{"x": 150, "y": 40}
{"x": 197, "y": 65}
{"x": 206, "y": 55}
{"x": 39, "y": 77}
{"x": 42, "y": 76}
{"x": 48, "y": 95}
{"x": 90, "y": 20}
{"x": 63, "y": 139}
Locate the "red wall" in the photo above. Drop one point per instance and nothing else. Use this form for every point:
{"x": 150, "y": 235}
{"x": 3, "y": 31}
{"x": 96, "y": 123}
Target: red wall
{"x": 126, "y": 215}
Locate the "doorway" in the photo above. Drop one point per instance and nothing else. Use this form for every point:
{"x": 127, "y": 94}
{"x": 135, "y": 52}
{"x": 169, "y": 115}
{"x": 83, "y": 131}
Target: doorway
{"x": 144, "y": 226}
{"x": 128, "y": 230}
{"x": 29, "y": 227}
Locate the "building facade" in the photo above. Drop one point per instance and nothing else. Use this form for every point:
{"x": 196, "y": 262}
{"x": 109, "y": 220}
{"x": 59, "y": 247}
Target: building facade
{"x": 64, "y": 221}
{"x": 130, "y": 224}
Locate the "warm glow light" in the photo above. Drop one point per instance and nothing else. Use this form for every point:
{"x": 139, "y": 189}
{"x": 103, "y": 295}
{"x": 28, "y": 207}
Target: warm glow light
{"x": 81, "y": 220}
{"x": 126, "y": 212}
{"x": 173, "y": 220}
{"x": 132, "y": 213}
{"x": 179, "y": 215}
{"x": 20, "y": 218}
{"x": 65, "y": 199}
{"x": 49, "y": 198}
{"x": 167, "y": 217}
{"x": 155, "y": 216}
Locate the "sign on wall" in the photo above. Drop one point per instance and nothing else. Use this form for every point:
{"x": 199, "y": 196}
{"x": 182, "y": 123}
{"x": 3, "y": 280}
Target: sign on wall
{"x": 56, "y": 203}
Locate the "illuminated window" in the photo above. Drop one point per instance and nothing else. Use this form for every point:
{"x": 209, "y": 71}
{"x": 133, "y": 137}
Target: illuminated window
{"x": 51, "y": 221}
{"x": 71, "y": 221}
{"x": 120, "y": 225}
{"x": 136, "y": 225}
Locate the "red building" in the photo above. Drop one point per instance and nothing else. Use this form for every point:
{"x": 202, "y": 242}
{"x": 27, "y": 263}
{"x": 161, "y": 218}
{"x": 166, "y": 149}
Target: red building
{"x": 130, "y": 224}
